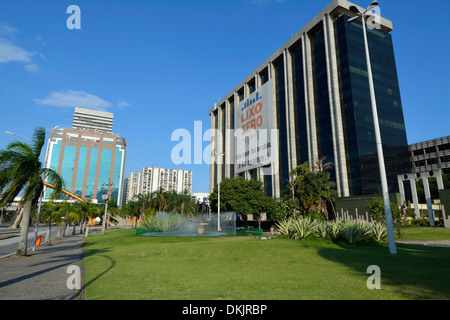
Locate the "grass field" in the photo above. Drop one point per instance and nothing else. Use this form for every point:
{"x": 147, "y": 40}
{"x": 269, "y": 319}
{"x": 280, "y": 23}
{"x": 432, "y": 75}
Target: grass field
{"x": 121, "y": 265}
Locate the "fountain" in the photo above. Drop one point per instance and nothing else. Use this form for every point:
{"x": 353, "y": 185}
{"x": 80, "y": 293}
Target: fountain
{"x": 173, "y": 224}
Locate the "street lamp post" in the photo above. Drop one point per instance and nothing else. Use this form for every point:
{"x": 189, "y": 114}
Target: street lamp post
{"x": 218, "y": 194}
{"x": 105, "y": 197}
{"x": 384, "y": 186}
{"x": 36, "y": 228}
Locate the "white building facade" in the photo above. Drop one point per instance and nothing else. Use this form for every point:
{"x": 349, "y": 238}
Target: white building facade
{"x": 152, "y": 179}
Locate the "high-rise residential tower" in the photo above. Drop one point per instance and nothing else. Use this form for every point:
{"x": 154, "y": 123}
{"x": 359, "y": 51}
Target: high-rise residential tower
{"x": 152, "y": 179}
{"x": 314, "y": 92}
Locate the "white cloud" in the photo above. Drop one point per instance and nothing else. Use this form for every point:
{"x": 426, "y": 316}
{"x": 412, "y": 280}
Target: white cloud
{"x": 10, "y": 51}
{"x": 123, "y": 104}
{"x": 71, "y": 98}
{"x": 8, "y": 31}
{"x": 32, "y": 67}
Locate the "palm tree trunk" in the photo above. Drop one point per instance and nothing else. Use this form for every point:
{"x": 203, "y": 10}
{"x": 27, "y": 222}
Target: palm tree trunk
{"x": 22, "y": 249}
{"x": 48, "y": 235}
{"x": 16, "y": 219}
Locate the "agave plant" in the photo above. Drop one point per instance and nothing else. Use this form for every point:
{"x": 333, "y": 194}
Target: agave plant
{"x": 323, "y": 229}
{"x": 164, "y": 221}
{"x": 335, "y": 228}
{"x": 302, "y": 228}
{"x": 355, "y": 232}
{"x": 284, "y": 226}
{"x": 378, "y": 231}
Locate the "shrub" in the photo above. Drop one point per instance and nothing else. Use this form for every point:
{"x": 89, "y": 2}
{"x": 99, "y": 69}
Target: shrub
{"x": 421, "y": 222}
{"x": 323, "y": 229}
{"x": 378, "y": 232}
{"x": 335, "y": 228}
{"x": 164, "y": 221}
{"x": 355, "y": 232}
{"x": 302, "y": 228}
{"x": 284, "y": 226}
{"x": 350, "y": 232}
{"x": 315, "y": 215}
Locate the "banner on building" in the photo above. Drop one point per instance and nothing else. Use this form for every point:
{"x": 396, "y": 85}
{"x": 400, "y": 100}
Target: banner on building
{"x": 255, "y": 139}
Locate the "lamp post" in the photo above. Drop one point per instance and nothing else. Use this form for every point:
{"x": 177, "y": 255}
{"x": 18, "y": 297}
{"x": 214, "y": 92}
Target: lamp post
{"x": 218, "y": 194}
{"x": 105, "y": 197}
{"x": 384, "y": 186}
{"x": 36, "y": 228}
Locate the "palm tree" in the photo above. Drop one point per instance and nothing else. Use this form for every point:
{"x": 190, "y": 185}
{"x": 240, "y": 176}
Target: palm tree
{"x": 61, "y": 214}
{"x": 322, "y": 166}
{"x": 160, "y": 200}
{"x": 144, "y": 200}
{"x": 21, "y": 171}
{"x": 132, "y": 209}
{"x": 87, "y": 210}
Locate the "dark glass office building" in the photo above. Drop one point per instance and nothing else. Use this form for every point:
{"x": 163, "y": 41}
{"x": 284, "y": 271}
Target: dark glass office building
{"x": 322, "y": 107}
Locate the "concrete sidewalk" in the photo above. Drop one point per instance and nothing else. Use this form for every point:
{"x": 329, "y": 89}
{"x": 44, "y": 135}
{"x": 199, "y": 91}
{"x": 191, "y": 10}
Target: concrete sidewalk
{"x": 42, "y": 274}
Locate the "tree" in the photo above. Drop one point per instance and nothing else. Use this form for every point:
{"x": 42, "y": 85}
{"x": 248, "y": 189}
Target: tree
{"x": 312, "y": 189}
{"x": 280, "y": 209}
{"x": 144, "y": 201}
{"x": 242, "y": 196}
{"x": 132, "y": 209}
{"x": 61, "y": 214}
{"x": 21, "y": 171}
{"x": 399, "y": 213}
{"x": 87, "y": 210}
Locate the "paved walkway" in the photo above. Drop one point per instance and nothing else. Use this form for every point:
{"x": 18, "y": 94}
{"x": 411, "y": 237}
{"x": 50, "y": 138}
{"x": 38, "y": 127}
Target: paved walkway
{"x": 42, "y": 274}
{"x": 443, "y": 243}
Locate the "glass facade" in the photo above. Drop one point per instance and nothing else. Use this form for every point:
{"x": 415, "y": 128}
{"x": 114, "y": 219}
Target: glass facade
{"x": 80, "y": 172}
{"x": 87, "y": 161}
{"x": 362, "y": 159}
{"x": 301, "y": 132}
{"x": 321, "y": 98}
{"x": 68, "y": 165}
{"x": 104, "y": 173}
{"x": 117, "y": 172}
{"x": 90, "y": 184}
{"x": 280, "y": 93}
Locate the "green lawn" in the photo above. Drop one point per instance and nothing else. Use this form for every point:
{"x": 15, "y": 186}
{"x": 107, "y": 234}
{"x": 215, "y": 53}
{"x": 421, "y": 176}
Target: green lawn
{"x": 425, "y": 234}
{"x": 121, "y": 265}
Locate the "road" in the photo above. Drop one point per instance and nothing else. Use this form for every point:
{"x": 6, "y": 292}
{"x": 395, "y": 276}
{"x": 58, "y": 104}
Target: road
{"x": 9, "y": 238}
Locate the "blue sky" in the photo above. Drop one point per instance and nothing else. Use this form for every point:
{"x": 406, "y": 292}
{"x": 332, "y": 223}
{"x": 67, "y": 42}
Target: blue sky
{"x": 161, "y": 65}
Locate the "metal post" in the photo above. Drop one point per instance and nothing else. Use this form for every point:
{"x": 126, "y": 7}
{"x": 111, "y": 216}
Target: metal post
{"x": 384, "y": 186}
{"x": 218, "y": 208}
{"x": 104, "y": 218}
{"x": 36, "y": 228}
{"x": 218, "y": 192}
